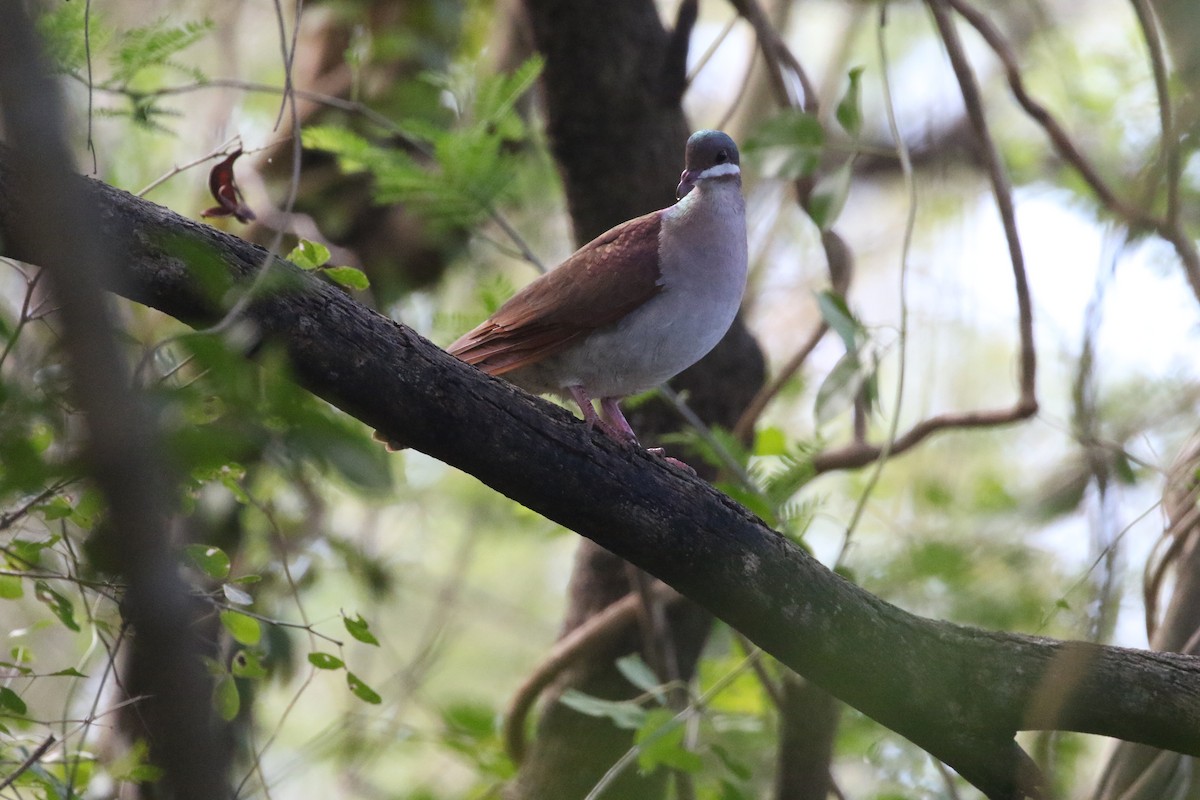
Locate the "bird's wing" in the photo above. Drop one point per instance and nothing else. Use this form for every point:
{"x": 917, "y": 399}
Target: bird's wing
{"x": 599, "y": 284}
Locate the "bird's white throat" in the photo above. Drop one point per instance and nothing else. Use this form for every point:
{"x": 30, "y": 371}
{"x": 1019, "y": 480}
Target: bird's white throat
{"x": 720, "y": 170}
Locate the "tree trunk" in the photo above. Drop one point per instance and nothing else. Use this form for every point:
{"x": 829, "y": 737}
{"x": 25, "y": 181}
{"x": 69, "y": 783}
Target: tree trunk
{"x": 613, "y": 85}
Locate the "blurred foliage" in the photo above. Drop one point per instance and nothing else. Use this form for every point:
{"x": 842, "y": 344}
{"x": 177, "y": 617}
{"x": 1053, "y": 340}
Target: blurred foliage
{"x": 457, "y": 175}
{"x": 375, "y": 611}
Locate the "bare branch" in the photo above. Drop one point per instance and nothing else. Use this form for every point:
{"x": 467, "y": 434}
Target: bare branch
{"x": 1166, "y": 114}
{"x": 1002, "y": 190}
{"x": 779, "y": 57}
{"x": 1131, "y": 215}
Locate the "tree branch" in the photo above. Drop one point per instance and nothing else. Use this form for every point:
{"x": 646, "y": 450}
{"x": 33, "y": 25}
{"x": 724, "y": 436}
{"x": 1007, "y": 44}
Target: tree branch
{"x": 958, "y": 692}
{"x": 1132, "y": 216}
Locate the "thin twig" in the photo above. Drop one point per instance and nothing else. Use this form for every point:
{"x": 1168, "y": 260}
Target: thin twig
{"x": 859, "y": 454}
{"x": 1134, "y": 217}
{"x": 1062, "y": 142}
{"x": 1001, "y": 189}
{"x": 9, "y": 517}
{"x": 728, "y": 460}
{"x": 770, "y": 685}
{"x": 759, "y": 402}
{"x": 1166, "y": 115}
{"x": 223, "y": 150}
{"x": 778, "y": 57}
{"x": 22, "y": 320}
{"x": 29, "y": 761}
{"x": 910, "y": 222}
{"x": 707, "y": 55}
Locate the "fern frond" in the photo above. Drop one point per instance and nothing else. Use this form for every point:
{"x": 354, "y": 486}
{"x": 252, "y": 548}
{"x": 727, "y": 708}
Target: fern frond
{"x": 153, "y": 45}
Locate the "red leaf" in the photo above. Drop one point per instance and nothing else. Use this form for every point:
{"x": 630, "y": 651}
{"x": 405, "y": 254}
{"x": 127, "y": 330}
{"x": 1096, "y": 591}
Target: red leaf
{"x": 226, "y": 192}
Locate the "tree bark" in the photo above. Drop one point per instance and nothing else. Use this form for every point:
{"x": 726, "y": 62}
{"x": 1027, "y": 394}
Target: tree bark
{"x": 959, "y": 692}
{"x": 808, "y": 721}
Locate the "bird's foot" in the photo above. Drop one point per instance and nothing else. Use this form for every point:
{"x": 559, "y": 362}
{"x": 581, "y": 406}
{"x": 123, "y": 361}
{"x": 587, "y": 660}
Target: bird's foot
{"x": 614, "y": 432}
{"x": 612, "y": 423}
{"x": 674, "y": 462}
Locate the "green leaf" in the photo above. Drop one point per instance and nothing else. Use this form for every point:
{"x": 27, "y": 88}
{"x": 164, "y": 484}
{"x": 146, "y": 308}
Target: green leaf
{"x": 736, "y": 767}
{"x": 841, "y": 387}
{"x": 792, "y": 140}
{"x": 226, "y": 699}
{"x": 837, "y": 314}
{"x": 624, "y": 713}
{"x": 22, "y": 553}
{"x": 359, "y": 629}
{"x": 789, "y": 128}
{"x": 349, "y": 277}
{"x": 61, "y": 606}
{"x": 829, "y": 196}
{"x": 498, "y": 95}
{"x": 212, "y": 561}
{"x": 230, "y": 476}
{"x": 660, "y": 742}
{"x": 638, "y": 672}
{"x": 11, "y": 701}
{"x": 56, "y": 508}
{"x": 247, "y": 664}
{"x": 361, "y": 690}
{"x": 244, "y": 629}
{"x": 69, "y": 672}
{"x": 325, "y": 660}
{"x": 354, "y": 153}
{"x": 236, "y": 595}
{"x": 131, "y": 765}
{"x": 309, "y": 255}
{"x": 10, "y": 587}
{"x": 144, "y": 773}
{"x": 849, "y": 110}
{"x": 476, "y": 721}
{"x": 730, "y": 791}
{"x": 770, "y": 441}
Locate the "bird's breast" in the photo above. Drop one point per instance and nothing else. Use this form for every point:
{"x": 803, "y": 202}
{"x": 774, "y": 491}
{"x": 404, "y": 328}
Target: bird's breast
{"x": 703, "y": 266}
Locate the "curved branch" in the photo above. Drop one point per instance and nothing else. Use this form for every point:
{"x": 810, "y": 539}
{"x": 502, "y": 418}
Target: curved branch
{"x": 596, "y": 635}
{"x": 1132, "y": 216}
{"x": 778, "y": 57}
{"x": 1002, "y": 190}
{"x": 960, "y": 693}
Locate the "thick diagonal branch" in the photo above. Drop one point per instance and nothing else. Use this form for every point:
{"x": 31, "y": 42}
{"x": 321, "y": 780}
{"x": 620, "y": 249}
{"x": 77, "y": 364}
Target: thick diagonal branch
{"x": 959, "y": 692}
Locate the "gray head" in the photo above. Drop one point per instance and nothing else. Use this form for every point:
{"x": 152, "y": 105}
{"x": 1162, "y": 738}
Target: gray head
{"x": 709, "y": 154}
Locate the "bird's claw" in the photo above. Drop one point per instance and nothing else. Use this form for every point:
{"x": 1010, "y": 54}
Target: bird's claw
{"x": 675, "y": 462}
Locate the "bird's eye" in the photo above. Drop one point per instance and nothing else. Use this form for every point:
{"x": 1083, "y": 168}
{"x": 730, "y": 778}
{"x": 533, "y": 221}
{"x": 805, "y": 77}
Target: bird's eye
{"x": 722, "y": 156}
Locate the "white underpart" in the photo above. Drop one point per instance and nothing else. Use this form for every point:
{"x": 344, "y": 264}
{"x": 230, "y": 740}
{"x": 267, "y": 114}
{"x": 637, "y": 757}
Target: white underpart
{"x": 702, "y": 243}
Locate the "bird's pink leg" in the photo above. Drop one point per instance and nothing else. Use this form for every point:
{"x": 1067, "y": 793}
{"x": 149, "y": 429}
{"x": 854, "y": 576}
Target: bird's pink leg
{"x": 612, "y": 413}
{"x": 616, "y": 428}
{"x": 613, "y": 422}
{"x": 584, "y": 401}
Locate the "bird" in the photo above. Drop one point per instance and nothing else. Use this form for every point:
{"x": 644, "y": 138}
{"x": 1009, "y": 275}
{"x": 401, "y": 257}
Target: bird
{"x": 633, "y": 307}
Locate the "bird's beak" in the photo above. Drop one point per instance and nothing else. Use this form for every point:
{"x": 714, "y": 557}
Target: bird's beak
{"x": 687, "y": 182}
